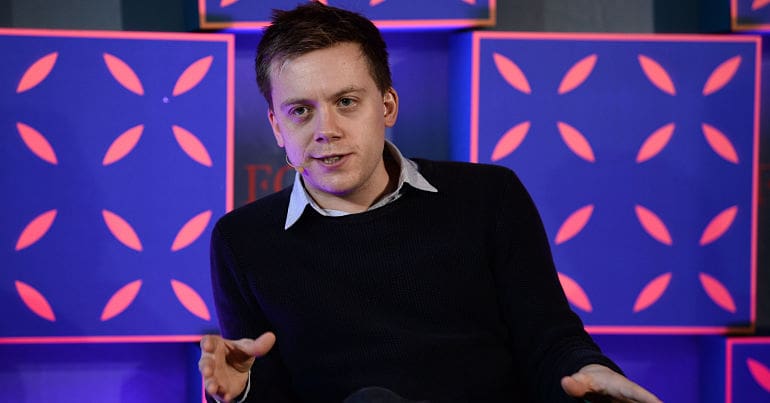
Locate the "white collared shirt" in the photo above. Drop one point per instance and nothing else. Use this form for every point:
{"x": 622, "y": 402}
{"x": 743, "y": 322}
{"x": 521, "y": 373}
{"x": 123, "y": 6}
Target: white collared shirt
{"x": 409, "y": 173}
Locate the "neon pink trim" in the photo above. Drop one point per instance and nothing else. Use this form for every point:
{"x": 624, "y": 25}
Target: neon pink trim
{"x": 37, "y": 72}
{"x": 191, "y": 231}
{"x": 123, "y": 145}
{"x": 673, "y": 330}
{"x": 652, "y": 292}
{"x": 475, "y": 73}
{"x": 35, "y": 230}
{"x": 35, "y": 301}
{"x": 192, "y": 146}
{"x": 192, "y": 75}
{"x": 100, "y": 339}
{"x": 37, "y": 143}
{"x": 510, "y": 141}
{"x": 655, "y": 143}
{"x": 230, "y": 147}
{"x": 577, "y": 74}
{"x": 718, "y": 225}
{"x": 123, "y": 74}
{"x": 574, "y": 224}
{"x": 721, "y": 75}
{"x": 121, "y": 300}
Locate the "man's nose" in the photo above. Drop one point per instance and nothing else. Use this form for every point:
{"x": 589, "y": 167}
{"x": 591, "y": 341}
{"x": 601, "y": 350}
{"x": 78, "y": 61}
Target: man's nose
{"x": 327, "y": 128}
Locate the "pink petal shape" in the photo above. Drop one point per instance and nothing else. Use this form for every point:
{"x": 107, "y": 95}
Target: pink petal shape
{"x": 324, "y": 2}
{"x": 760, "y": 373}
{"x": 720, "y": 143}
{"x": 510, "y": 141}
{"x": 653, "y": 225}
{"x": 718, "y": 225}
{"x": 512, "y": 73}
{"x": 722, "y": 75}
{"x": 121, "y": 300}
{"x": 192, "y": 75}
{"x": 657, "y": 75}
{"x": 191, "y": 146}
{"x": 191, "y": 231}
{"x": 655, "y": 143}
{"x": 123, "y": 145}
{"x": 575, "y": 293}
{"x": 717, "y": 292}
{"x": 574, "y": 224}
{"x": 190, "y": 299}
{"x": 225, "y": 3}
{"x": 471, "y": 2}
{"x": 757, "y": 4}
{"x": 576, "y": 142}
{"x": 373, "y": 3}
{"x": 35, "y": 230}
{"x": 124, "y": 74}
{"x": 37, "y": 143}
{"x": 577, "y": 74}
{"x": 37, "y": 72}
{"x": 35, "y": 301}
{"x": 122, "y": 230}
{"x": 652, "y": 292}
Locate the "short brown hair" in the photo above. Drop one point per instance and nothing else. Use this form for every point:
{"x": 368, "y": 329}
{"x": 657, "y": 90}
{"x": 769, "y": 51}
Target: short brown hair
{"x": 315, "y": 26}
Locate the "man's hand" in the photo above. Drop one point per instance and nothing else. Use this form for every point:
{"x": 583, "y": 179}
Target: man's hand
{"x": 597, "y": 383}
{"x": 225, "y": 363}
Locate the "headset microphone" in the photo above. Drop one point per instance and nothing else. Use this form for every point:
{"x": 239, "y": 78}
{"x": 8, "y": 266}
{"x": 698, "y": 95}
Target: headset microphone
{"x": 299, "y": 168}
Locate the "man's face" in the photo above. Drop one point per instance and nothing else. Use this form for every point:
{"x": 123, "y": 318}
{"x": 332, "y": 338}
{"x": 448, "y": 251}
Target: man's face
{"x": 330, "y": 116}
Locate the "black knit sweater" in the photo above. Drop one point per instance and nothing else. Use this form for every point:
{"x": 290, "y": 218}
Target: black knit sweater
{"x": 448, "y": 297}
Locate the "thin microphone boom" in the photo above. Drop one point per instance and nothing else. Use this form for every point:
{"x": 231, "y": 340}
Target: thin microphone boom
{"x": 299, "y": 168}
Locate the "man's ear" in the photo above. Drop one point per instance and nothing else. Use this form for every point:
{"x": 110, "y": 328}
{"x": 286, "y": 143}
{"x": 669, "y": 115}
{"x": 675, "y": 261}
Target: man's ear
{"x": 276, "y": 129}
{"x": 390, "y": 101}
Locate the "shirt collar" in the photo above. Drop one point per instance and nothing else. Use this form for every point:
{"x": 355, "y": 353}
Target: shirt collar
{"x": 409, "y": 173}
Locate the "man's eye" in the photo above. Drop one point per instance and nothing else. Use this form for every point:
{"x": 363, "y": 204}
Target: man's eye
{"x": 298, "y": 111}
{"x": 346, "y": 102}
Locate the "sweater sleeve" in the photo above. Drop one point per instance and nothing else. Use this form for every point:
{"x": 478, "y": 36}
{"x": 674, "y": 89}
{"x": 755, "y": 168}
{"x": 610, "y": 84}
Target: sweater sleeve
{"x": 240, "y": 317}
{"x": 548, "y": 338}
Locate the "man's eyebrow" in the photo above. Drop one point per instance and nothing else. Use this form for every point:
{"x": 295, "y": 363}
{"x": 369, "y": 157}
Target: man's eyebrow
{"x": 344, "y": 91}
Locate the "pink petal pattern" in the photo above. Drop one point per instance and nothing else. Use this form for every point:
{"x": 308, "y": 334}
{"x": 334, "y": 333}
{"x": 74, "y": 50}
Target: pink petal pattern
{"x": 510, "y": 141}
{"x": 576, "y": 142}
{"x": 373, "y": 3}
{"x": 191, "y": 231}
{"x": 760, "y": 373}
{"x": 192, "y": 146}
{"x": 35, "y": 230}
{"x": 720, "y": 143}
{"x": 718, "y": 225}
{"x": 757, "y": 4}
{"x": 35, "y": 301}
{"x": 655, "y": 143}
{"x": 653, "y": 225}
{"x": 122, "y": 230}
{"x": 325, "y": 2}
{"x": 123, "y": 145}
{"x": 37, "y": 72}
{"x": 574, "y": 224}
{"x": 37, "y": 143}
{"x": 717, "y": 292}
{"x": 471, "y": 2}
{"x": 722, "y": 75}
{"x": 192, "y": 75}
{"x": 575, "y": 293}
{"x": 121, "y": 300}
{"x": 225, "y": 3}
{"x": 123, "y": 74}
{"x": 652, "y": 292}
{"x": 512, "y": 73}
{"x": 657, "y": 75}
{"x": 190, "y": 299}
{"x": 577, "y": 74}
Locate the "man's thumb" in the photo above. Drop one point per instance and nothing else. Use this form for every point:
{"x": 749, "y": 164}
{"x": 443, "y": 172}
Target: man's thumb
{"x": 257, "y": 347}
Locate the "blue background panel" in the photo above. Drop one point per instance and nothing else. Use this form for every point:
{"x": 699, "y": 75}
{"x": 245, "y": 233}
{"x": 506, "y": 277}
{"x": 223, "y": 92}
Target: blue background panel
{"x": 750, "y": 15}
{"x": 641, "y": 239}
{"x": 748, "y": 369}
{"x": 130, "y": 227}
{"x": 384, "y": 13}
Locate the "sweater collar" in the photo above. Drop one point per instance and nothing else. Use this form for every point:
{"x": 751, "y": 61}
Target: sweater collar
{"x": 409, "y": 173}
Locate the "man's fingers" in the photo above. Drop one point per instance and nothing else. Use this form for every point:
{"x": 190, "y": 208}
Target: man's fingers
{"x": 256, "y": 347}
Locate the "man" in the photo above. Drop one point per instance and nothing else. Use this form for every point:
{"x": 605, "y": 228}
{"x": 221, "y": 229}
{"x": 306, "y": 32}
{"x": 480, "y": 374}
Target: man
{"x": 430, "y": 280}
